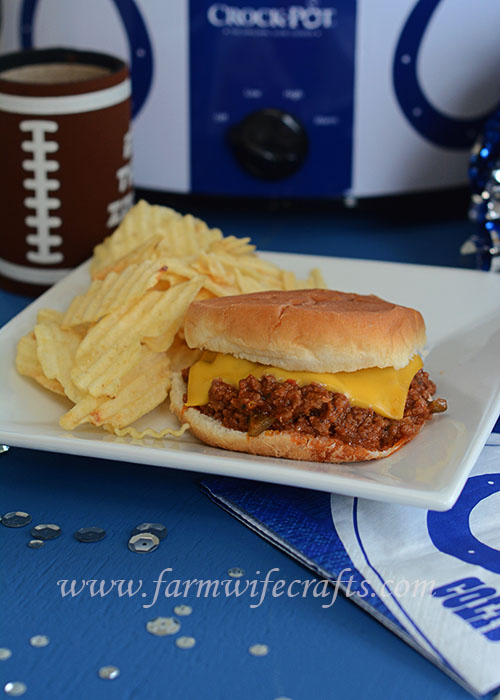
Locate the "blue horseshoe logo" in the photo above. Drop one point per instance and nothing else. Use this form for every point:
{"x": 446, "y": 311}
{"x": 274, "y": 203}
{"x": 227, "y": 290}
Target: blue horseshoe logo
{"x": 141, "y": 53}
{"x": 450, "y": 531}
{"x": 426, "y": 119}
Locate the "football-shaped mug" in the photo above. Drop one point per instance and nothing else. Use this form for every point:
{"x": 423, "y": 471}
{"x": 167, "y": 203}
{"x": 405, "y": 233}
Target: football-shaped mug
{"x": 65, "y": 173}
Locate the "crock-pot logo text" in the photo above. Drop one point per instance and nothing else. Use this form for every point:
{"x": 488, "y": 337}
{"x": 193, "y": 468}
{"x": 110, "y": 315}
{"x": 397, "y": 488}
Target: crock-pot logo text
{"x": 293, "y": 17}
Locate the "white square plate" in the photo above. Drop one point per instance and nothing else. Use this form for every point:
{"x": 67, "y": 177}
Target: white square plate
{"x": 462, "y": 312}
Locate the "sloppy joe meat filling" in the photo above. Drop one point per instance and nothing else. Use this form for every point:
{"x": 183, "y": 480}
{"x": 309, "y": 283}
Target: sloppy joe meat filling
{"x": 268, "y": 404}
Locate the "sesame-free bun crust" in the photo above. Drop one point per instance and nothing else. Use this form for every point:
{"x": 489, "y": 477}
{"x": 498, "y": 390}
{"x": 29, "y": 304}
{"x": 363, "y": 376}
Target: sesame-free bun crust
{"x": 271, "y": 443}
{"x": 314, "y": 330}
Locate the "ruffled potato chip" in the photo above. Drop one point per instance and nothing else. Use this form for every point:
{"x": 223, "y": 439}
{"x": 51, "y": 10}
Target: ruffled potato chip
{"x": 56, "y": 350}
{"x": 143, "y": 387}
{"x": 111, "y": 347}
{"x": 180, "y": 236}
{"x": 49, "y": 315}
{"x": 232, "y": 245}
{"x": 114, "y": 291}
{"x": 28, "y": 364}
{"x": 139, "y": 224}
{"x": 181, "y": 297}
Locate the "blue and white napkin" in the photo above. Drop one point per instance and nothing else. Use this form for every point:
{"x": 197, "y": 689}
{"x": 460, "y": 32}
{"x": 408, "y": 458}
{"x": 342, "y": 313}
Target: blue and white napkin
{"x": 431, "y": 577}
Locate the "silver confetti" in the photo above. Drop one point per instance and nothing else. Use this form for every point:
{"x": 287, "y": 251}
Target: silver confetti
{"x": 236, "y": 572}
{"x": 154, "y": 528}
{"x": 259, "y": 650}
{"x": 36, "y": 544}
{"x": 143, "y": 543}
{"x": 161, "y": 626}
{"x": 109, "y": 672}
{"x": 183, "y": 610}
{"x": 90, "y": 534}
{"x": 5, "y": 654}
{"x": 185, "y": 642}
{"x": 46, "y": 531}
{"x": 15, "y": 689}
{"x": 17, "y": 518}
{"x": 39, "y": 640}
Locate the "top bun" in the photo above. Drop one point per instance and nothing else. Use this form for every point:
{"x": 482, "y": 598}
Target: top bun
{"x": 314, "y": 330}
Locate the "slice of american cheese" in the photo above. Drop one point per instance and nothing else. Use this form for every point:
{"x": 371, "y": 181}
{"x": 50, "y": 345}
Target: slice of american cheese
{"x": 382, "y": 389}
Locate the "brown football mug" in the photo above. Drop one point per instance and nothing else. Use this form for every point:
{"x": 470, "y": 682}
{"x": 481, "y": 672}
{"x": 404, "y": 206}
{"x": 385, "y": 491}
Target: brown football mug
{"x": 65, "y": 180}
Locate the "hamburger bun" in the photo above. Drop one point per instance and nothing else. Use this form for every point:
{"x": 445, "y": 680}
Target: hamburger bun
{"x": 315, "y": 330}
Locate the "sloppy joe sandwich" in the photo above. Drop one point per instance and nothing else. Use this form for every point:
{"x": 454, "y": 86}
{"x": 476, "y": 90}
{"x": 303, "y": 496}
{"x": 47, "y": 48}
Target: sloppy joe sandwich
{"x": 309, "y": 374}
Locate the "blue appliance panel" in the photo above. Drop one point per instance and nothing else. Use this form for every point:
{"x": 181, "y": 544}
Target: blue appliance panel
{"x": 297, "y": 60}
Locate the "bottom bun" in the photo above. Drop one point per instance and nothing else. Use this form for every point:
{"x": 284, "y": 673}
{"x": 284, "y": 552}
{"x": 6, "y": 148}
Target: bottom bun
{"x": 271, "y": 443}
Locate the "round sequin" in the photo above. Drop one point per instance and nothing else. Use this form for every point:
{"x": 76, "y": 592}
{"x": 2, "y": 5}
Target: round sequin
{"x": 143, "y": 543}
{"x": 46, "y": 531}
{"x": 161, "y": 626}
{"x": 236, "y": 572}
{"x": 185, "y": 642}
{"x": 39, "y": 640}
{"x": 183, "y": 610}
{"x": 109, "y": 672}
{"x": 153, "y": 528}
{"x": 35, "y": 544}
{"x": 15, "y": 689}
{"x": 259, "y": 650}
{"x": 90, "y": 534}
{"x": 17, "y": 518}
{"x": 5, "y": 654}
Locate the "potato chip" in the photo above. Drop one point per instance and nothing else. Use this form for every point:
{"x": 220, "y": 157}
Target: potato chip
{"x": 140, "y": 223}
{"x": 288, "y": 280}
{"x": 219, "y": 290}
{"x": 179, "y": 272}
{"x": 232, "y": 245}
{"x": 185, "y": 294}
{"x": 144, "y": 387}
{"x": 181, "y": 245}
{"x": 188, "y": 236}
{"x": 235, "y": 275}
{"x": 267, "y": 274}
{"x": 175, "y": 266}
{"x": 148, "y": 432}
{"x": 49, "y": 315}
{"x": 146, "y": 251}
{"x": 181, "y": 355}
{"x": 27, "y": 364}
{"x": 316, "y": 279}
{"x": 180, "y": 235}
{"x": 114, "y": 291}
{"x": 80, "y": 412}
{"x": 56, "y": 349}
{"x": 246, "y": 284}
{"x": 212, "y": 266}
{"x": 111, "y": 347}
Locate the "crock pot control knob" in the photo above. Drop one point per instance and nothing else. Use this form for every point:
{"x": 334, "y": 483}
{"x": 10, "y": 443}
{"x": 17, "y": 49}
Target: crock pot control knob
{"x": 270, "y": 144}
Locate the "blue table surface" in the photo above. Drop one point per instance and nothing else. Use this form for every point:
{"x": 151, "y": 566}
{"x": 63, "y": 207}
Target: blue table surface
{"x": 314, "y": 653}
